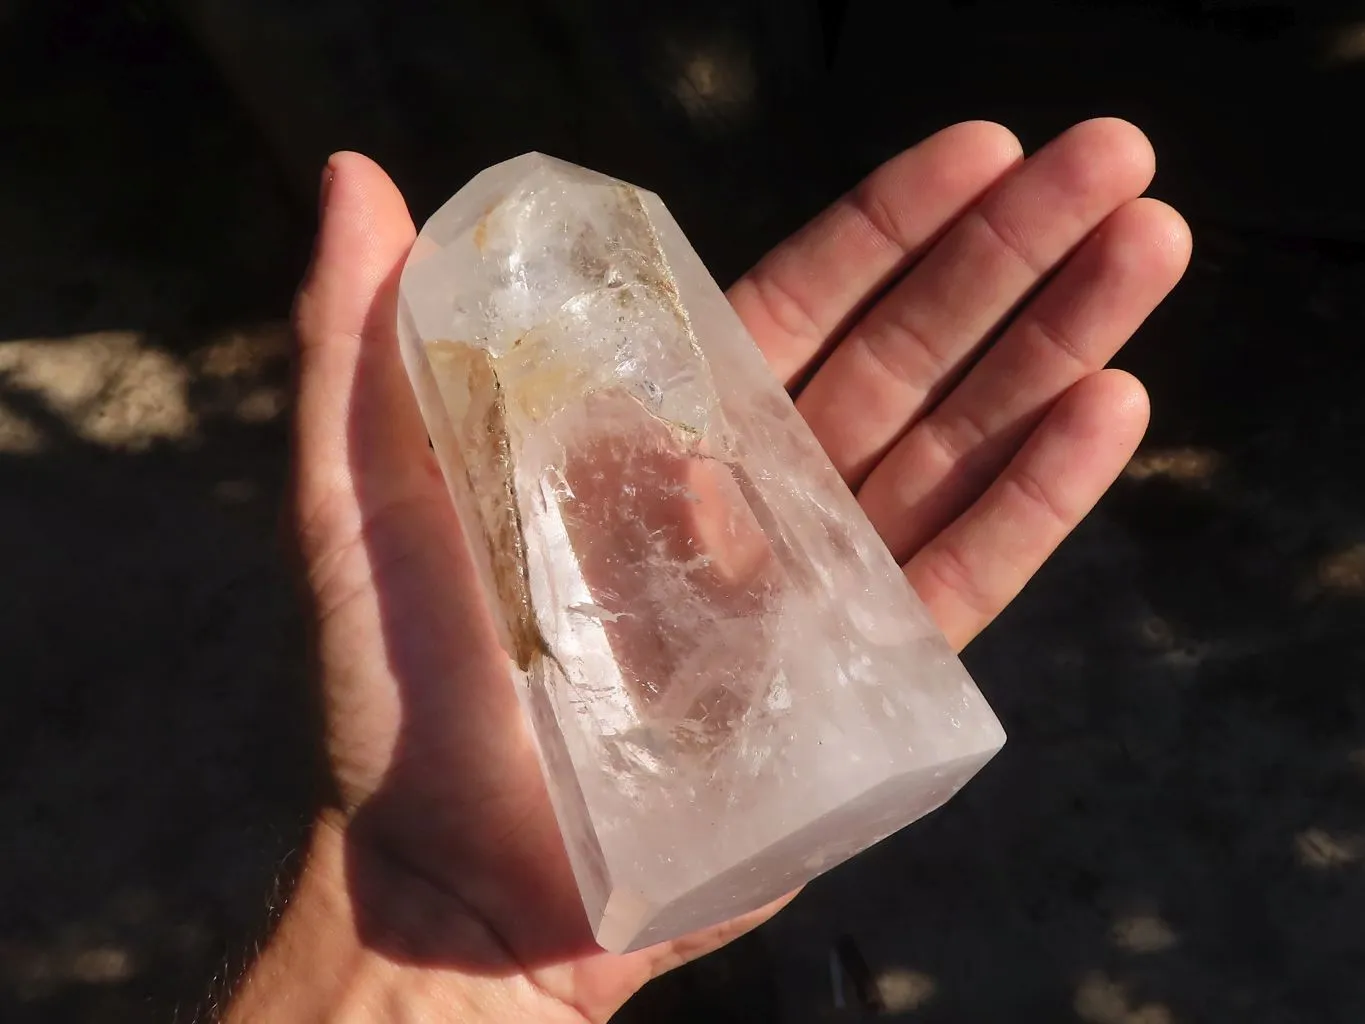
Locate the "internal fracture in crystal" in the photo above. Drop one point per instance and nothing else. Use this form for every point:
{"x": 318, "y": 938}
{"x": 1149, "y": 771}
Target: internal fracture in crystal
{"x": 731, "y": 684}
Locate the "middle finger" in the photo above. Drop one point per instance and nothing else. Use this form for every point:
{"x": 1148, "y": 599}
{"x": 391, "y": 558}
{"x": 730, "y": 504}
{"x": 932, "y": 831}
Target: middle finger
{"x": 916, "y": 340}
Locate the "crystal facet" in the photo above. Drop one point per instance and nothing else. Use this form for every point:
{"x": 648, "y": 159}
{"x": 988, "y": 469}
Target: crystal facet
{"x": 731, "y": 684}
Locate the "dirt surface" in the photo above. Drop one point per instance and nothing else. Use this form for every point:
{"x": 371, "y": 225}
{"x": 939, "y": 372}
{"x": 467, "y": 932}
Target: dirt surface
{"x": 1176, "y": 830}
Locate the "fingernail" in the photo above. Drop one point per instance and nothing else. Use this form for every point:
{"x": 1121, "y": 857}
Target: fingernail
{"x": 324, "y": 188}
{"x": 327, "y": 174}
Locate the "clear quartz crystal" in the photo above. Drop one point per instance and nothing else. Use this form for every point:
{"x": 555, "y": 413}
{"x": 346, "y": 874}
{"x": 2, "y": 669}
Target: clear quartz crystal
{"x": 731, "y": 684}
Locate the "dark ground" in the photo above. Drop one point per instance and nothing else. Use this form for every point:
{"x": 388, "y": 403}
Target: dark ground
{"x": 1176, "y": 831}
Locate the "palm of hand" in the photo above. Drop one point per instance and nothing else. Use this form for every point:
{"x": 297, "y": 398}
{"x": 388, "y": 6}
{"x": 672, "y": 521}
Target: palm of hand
{"x": 971, "y": 476}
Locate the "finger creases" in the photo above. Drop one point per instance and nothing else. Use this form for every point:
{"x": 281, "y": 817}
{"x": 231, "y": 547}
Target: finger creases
{"x": 800, "y": 297}
{"x": 1070, "y": 330}
{"x": 972, "y": 569}
{"x": 913, "y": 345}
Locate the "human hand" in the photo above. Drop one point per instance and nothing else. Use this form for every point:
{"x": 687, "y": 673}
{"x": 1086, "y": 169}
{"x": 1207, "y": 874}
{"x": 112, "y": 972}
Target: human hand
{"x": 951, "y": 319}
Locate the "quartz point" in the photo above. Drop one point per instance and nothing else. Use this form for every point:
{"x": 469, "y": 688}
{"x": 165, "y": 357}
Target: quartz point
{"x": 731, "y": 685}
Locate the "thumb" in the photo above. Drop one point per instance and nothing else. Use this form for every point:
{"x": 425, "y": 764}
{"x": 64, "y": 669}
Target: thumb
{"x": 358, "y": 432}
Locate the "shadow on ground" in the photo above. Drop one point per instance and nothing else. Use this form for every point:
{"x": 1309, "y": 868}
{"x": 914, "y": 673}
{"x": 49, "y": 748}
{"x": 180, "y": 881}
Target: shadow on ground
{"x": 1176, "y": 832}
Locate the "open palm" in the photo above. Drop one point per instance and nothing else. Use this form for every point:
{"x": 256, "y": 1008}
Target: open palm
{"x": 951, "y": 318}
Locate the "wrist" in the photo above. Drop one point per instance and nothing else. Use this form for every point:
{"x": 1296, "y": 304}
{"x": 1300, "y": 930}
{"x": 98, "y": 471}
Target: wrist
{"x": 318, "y": 967}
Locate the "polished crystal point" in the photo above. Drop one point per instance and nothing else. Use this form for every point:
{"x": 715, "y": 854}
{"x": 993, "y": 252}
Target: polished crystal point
{"x": 731, "y": 684}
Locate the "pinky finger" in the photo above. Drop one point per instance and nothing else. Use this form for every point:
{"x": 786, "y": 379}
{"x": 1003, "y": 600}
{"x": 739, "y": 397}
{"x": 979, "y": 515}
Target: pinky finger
{"x": 979, "y": 563}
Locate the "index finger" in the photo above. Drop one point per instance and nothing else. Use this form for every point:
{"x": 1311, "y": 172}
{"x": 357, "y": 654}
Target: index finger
{"x": 800, "y": 298}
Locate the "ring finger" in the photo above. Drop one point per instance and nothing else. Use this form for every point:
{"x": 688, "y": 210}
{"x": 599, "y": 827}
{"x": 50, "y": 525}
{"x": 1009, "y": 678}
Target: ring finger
{"x": 899, "y": 358}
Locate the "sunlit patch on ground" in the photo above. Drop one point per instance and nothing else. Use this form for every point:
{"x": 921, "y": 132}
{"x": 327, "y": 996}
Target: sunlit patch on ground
{"x": 109, "y": 389}
{"x": 1175, "y": 651}
{"x": 18, "y": 435}
{"x": 901, "y": 990}
{"x": 1101, "y": 1000}
{"x": 33, "y": 971}
{"x": 715, "y": 79}
{"x": 1143, "y": 933}
{"x": 1344, "y": 571}
{"x": 1318, "y": 848}
{"x": 1345, "y": 46}
{"x": 245, "y": 366}
{"x": 117, "y": 390}
{"x": 1181, "y": 465}
{"x": 244, "y": 353}
{"x": 261, "y": 405}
